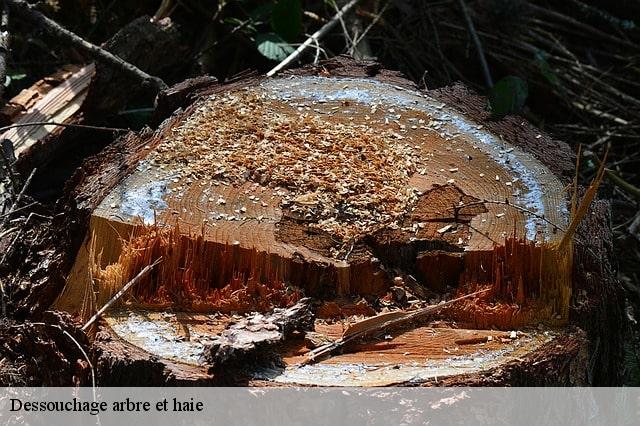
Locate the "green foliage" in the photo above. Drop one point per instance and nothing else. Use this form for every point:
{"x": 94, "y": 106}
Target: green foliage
{"x": 286, "y": 19}
{"x": 272, "y": 46}
{"x": 508, "y": 96}
{"x": 10, "y": 77}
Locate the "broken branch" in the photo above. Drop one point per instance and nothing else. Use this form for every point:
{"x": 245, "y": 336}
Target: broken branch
{"x": 630, "y": 189}
{"x": 379, "y": 323}
{"x": 122, "y": 291}
{"x": 23, "y": 9}
{"x": 476, "y": 41}
{"x": 315, "y": 37}
{"x": 53, "y": 123}
{"x": 18, "y": 198}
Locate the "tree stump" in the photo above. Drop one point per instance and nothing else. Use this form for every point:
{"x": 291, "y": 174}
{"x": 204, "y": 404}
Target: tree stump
{"x": 346, "y": 184}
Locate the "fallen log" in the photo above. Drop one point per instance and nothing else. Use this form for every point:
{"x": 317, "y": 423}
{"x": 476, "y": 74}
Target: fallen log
{"x": 77, "y": 95}
{"x": 60, "y": 104}
{"x": 56, "y": 98}
{"x": 321, "y": 183}
{"x": 27, "y": 98}
{"x": 144, "y": 43}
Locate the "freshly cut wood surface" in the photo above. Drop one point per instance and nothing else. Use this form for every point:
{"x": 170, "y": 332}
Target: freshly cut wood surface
{"x": 225, "y": 280}
{"x": 428, "y": 352}
{"x": 323, "y": 184}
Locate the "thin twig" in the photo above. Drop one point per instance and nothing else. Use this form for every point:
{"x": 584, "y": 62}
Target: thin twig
{"x": 633, "y": 227}
{"x": 476, "y": 40}
{"x": 8, "y": 158}
{"x": 347, "y": 37}
{"x": 314, "y": 38}
{"x": 23, "y": 9}
{"x": 54, "y": 123}
{"x": 630, "y": 189}
{"x": 8, "y": 231}
{"x": 549, "y": 13}
{"x": 223, "y": 39}
{"x": 505, "y": 203}
{"x": 84, "y": 353}
{"x": 18, "y": 198}
{"x": 34, "y": 214}
{"x": 18, "y": 210}
{"x": 4, "y": 45}
{"x": 369, "y": 27}
{"x": 122, "y": 291}
{"x": 15, "y": 240}
{"x": 393, "y": 321}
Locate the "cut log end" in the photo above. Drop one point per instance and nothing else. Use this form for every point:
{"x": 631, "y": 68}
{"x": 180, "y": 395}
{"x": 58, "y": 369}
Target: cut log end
{"x": 261, "y": 194}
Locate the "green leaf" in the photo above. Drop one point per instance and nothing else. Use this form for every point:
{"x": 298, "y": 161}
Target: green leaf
{"x": 272, "y": 46}
{"x": 18, "y": 76}
{"x": 286, "y": 18}
{"x": 508, "y": 96}
{"x": 9, "y": 78}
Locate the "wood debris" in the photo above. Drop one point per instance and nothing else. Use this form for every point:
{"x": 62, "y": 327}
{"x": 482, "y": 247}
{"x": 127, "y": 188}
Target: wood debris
{"x": 59, "y": 105}
{"x": 253, "y": 338}
{"x": 346, "y": 179}
{"x": 382, "y": 323}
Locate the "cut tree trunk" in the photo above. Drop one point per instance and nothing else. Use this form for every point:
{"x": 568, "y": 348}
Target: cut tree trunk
{"x": 342, "y": 183}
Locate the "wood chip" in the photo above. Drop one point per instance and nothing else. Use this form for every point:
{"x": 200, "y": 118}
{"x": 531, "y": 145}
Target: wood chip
{"x": 444, "y": 229}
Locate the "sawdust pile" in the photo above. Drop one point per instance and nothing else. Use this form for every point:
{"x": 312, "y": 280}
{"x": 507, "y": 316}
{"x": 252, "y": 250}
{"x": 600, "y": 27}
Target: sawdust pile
{"x": 344, "y": 178}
